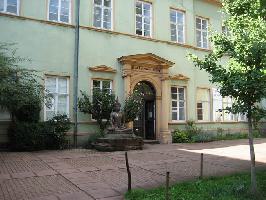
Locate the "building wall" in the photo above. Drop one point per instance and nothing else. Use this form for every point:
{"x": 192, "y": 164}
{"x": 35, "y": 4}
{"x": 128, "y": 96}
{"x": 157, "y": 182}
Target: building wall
{"x": 50, "y": 46}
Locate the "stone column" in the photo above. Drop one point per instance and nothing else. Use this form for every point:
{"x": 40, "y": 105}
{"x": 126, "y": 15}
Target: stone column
{"x": 165, "y": 133}
{"x": 127, "y": 81}
{"x": 127, "y": 85}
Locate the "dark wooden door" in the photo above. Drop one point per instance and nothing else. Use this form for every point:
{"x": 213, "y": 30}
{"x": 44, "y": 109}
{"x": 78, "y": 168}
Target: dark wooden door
{"x": 149, "y": 120}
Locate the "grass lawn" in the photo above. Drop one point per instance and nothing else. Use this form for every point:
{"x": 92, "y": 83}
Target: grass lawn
{"x": 232, "y": 187}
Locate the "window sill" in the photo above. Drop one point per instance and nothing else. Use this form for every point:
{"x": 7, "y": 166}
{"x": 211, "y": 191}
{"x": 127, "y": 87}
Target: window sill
{"x": 59, "y": 22}
{"x": 103, "y": 29}
{"x": 177, "y": 122}
{"x": 9, "y": 13}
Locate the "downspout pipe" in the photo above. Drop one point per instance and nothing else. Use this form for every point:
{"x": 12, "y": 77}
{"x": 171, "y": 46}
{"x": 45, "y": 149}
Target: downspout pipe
{"x": 75, "y": 76}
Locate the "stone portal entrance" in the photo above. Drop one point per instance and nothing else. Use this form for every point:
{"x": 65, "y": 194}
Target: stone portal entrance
{"x": 153, "y": 71}
{"x": 145, "y": 124}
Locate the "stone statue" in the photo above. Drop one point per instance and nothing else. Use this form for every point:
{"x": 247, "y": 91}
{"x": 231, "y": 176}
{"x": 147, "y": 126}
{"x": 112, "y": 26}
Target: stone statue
{"x": 118, "y": 137}
{"x": 117, "y": 117}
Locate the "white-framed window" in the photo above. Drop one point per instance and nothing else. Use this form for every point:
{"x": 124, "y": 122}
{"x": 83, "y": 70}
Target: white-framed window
{"x": 59, "y": 11}
{"x": 103, "y": 85}
{"x": 220, "y": 104}
{"x": 103, "y": 14}
{"x": 143, "y": 18}
{"x": 227, "y": 103}
{"x": 217, "y": 101}
{"x": 225, "y": 30}
{"x": 177, "y": 24}
{"x": 202, "y": 32}
{"x": 203, "y": 104}
{"x": 9, "y": 6}
{"x": 178, "y": 98}
{"x": 58, "y": 88}
{"x": 242, "y": 118}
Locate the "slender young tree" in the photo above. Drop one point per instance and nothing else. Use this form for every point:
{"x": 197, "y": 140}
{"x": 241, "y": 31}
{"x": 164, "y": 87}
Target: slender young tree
{"x": 243, "y": 77}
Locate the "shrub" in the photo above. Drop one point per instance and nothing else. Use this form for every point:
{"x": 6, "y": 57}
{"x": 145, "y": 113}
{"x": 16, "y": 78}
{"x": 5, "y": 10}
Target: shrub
{"x": 203, "y": 137}
{"x": 24, "y": 136}
{"x": 55, "y": 130}
{"x": 100, "y": 105}
{"x": 27, "y": 136}
{"x": 180, "y": 136}
{"x": 192, "y": 129}
{"x": 186, "y": 135}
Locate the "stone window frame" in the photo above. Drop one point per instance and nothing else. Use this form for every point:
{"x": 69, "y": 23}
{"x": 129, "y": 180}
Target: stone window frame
{"x": 185, "y": 103}
{"x": 142, "y": 17}
{"x": 201, "y": 30}
{"x": 5, "y": 5}
{"x": 59, "y": 12}
{"x": 176, "y": 25}
{"x": 57, "y": 94}
{"x": 102, "y": 14}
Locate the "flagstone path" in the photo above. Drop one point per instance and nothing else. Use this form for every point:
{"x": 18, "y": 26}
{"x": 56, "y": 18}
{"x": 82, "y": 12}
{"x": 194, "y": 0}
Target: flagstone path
{"x": 81, "y": 174}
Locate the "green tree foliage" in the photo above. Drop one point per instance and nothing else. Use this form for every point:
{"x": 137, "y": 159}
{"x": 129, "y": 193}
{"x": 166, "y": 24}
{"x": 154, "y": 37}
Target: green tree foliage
{"x": 133, "y": 106}
{"x": 100, "y": 106}
{"x": 20, "y": 90}
{"x": 22, "y": 94}
{"x": 244, "y": 75}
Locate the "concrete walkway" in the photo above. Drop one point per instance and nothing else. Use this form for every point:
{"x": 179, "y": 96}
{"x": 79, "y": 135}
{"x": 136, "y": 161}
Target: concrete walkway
{"x": 85, "y": 174}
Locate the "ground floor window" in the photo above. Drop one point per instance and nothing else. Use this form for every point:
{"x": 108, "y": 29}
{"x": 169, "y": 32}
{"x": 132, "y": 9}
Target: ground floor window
{"x": 58, "y": 88}
{"x": 178, "y": 98}
{"x": 220, "y": 105}
{"x": 203, "y": 104}
{"x": 103, "y": 85}
{"x": 227, "y": 103}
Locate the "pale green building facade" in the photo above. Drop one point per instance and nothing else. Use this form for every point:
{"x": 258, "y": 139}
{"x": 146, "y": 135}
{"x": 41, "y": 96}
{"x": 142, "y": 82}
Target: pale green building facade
{"x": 122, "y": 43}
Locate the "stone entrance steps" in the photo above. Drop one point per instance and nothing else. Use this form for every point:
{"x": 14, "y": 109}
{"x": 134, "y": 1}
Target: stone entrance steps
{"x": 151, "y": 141}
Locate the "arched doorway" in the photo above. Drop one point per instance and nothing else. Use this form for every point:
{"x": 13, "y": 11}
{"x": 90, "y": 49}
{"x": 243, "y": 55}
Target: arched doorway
{"x": 145, "y": 124}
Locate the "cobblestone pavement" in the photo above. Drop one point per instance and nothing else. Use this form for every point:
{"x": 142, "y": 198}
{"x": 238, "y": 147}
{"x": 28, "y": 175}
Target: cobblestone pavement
{"x": 85, "y": 175}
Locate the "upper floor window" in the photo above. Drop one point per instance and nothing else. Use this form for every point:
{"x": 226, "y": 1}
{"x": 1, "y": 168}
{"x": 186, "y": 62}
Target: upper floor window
{"x": 9, "y": 6}
{"x": 58, "y": 88}
{"x": 177, "y": 19}
{"x": 203, "y": 104}
{"x": 103, "y": 14}
{"x": 202, "y": 32}
{"x": 178, "y": 103}
{"x": 143, "y": 18}
{"x": 60, "y": 10}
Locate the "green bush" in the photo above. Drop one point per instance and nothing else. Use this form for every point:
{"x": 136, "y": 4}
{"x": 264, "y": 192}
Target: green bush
{"x": 55, "y": 131}
{"x": 203, "y": 137}
{"x": 180, "y": 136}
{"x": 27, "y": 136}
{"x": 185, "y": 136}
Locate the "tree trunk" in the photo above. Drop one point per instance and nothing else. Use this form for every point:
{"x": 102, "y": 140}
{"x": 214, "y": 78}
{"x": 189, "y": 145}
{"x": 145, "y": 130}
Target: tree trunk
{"x": 252, "y": 157}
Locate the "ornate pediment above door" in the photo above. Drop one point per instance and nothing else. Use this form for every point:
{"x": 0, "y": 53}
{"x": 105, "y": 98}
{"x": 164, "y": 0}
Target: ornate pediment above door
{"x": 144, "y": 63}
{"x": 146, "y": 60}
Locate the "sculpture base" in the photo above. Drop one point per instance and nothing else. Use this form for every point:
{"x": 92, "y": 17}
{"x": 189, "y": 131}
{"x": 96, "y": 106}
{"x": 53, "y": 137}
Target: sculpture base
{"x": 119, "y": 142}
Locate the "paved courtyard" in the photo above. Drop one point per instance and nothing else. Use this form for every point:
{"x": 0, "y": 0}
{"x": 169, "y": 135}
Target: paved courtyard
{"x": 84, "y": 174}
